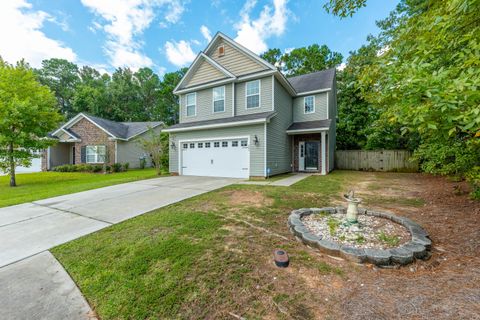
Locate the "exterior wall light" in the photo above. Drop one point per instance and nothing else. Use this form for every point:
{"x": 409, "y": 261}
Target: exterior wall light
{"x": 255, "y": 140}
{"x": 173, "y": 146}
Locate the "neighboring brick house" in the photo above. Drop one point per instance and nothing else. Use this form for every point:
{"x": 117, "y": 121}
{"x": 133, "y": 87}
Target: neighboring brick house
{"x": 89, "y": 139}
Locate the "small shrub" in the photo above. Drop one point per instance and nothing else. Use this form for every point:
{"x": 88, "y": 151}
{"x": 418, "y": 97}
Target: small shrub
{"x": 333, "y": 225}
{"x": 97, "y": 168}
{"x": 116, "y": 167}
{"x": 126, "y": 165}
{"x": 108, "y": 168}
{"x": 390, "y": 240}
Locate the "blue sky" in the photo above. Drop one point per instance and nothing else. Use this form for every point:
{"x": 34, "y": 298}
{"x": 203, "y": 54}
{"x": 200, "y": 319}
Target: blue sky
{"x": 167, "y": 34}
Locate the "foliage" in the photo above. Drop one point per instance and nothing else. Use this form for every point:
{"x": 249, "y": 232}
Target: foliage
{"x": 303, "y": 60}
{"x": 392, "y": 241}
{"x": 123, "y": 96}
{"x": 27, "y": 114}
{"x": 61, "y": 76}
{"x": 116, "y": 167}
{"x": 126, "y": 166}
{"x": 426, "y": 81}
{"x": 344, "y": 8}
{"x": 156, "y": 145}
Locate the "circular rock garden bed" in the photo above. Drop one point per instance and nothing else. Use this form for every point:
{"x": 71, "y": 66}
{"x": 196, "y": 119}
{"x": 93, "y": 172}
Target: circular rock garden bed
{"x": 378, "y": 237}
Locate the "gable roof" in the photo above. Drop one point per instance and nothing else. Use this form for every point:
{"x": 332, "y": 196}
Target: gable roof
{"x": 116, "y": 130}
{"x": 315, "y": 81}
{"x": 202, "y": 57}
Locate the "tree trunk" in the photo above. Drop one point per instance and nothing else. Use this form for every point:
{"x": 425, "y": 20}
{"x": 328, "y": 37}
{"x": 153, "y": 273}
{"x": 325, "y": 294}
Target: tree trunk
{"x": 13, "y": 183}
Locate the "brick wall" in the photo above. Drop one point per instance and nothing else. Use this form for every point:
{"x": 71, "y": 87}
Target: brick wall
{"x": 308, "y": 137}
{"x": 90, "y": 134}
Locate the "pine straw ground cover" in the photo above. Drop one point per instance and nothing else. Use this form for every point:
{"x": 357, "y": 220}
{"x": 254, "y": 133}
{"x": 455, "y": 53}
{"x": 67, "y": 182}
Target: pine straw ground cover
{"x": 210, "y": 257}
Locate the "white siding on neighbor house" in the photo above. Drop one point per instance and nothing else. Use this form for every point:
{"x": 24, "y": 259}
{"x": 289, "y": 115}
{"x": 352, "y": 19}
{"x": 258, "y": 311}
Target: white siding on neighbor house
{"x": 205, "y": 72}
{"x": 131, "y": 151}
{"x": 266, "y": 96}
{"x": 320, "y": 113}
{"x": 234, "y": 60}
{"x": 205, "y": 106}
{"x": 257, "y": 155}
{"x": 279, "y": 145}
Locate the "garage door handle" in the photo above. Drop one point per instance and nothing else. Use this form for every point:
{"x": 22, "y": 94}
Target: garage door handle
{"x": 211, "y": 161}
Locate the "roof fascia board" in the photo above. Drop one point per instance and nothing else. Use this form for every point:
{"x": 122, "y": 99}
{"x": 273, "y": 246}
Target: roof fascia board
{"x": 313, "y": 92}
{"x": 221, "y": 125}
{"x": 302, "y": 131}
{"x": 255, "y": 75}
{"x": 204, "y": 86}
{"x": 197, "y": 59}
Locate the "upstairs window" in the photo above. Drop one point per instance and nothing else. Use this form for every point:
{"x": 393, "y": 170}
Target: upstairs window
{"x": 309, "y": 104}
{"x": 191, "y": 104}
{"x": 219, "y": 99}
{"x": 252, "y": 92}
{"x": 95, "y": 154}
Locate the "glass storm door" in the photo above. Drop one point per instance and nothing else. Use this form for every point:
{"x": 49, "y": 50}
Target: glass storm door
{"x": 311, "y": 155}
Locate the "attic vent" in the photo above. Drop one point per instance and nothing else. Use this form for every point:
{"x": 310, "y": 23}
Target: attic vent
{"x": 221, "y": 51}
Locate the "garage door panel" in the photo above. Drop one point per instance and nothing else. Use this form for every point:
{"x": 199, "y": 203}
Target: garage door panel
{"x": 219, "y": 161}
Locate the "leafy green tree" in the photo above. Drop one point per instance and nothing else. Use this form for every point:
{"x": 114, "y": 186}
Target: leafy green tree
{"x": 426, "y": 81}
{"x": 91, "y": 94}
{"x": 156, "y": 145}
{"x": 149, "y": 85}
{"x": 344, "y": 8}
{"x": 304, "y": 60}
{"x": 61, "y": 76}
{"x": 27, "y": 113}
{"x": 123, "y": 95}
{"x": 169, "y": 104}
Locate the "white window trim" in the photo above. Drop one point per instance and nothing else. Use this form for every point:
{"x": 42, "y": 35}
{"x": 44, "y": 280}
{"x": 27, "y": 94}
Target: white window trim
{"x": 96, "y": 153}
{"x": 259, "y": 94}
{"x": 305, "y": 98}
{"x": 187, "y": 105}
{"x": 224, "y": 99}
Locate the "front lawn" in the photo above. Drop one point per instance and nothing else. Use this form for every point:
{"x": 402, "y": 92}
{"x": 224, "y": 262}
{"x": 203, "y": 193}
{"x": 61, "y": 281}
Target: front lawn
{"x": 41, "y": 185}
{"x": 210, "y": 257}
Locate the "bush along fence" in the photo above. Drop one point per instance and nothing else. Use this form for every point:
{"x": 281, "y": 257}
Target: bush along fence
{"x": 95, "y": 168}
{"x": 375, "y": 160}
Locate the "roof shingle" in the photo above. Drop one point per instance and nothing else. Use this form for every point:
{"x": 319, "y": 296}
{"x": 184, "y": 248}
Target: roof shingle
{"x": 313, "y": 81}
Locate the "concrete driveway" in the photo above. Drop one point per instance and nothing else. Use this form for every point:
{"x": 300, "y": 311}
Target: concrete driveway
{"x": 31, "y": 228}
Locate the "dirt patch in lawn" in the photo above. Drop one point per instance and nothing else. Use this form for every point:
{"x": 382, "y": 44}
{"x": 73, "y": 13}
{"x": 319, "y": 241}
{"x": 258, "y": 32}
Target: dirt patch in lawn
{"x": 248, "y": 198}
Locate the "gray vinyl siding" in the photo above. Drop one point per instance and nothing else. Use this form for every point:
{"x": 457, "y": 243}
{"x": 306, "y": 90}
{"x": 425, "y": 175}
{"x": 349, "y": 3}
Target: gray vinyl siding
{"x": 131, "y": 151}
{"x": 205, "y": 106}
{"x": 205, "y": 73}
{"x": 257, "y": 155}
{"x": 265, "y": 97}
{"x": 279, "y": 146}
{"x": 321, "y": 100}
{"x": 234, "y": 60}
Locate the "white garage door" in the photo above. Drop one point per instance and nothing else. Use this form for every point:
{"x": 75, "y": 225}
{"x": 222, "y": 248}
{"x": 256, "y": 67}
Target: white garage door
{"x": 216, "y": 158}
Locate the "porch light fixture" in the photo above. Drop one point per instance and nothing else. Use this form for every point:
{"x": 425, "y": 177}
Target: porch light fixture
{"x": 173, "y": 146}
{"x": 255, "y": 140}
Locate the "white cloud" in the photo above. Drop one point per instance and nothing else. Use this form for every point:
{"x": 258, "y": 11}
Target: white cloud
{"x": 341, "y": 66}
{"x": 124, "y": 21}
{"x": 271, "y": 22}
{"x": 22, "y": 35}
{"x": 206, "y": 33}
{"x": 179, "y": 53}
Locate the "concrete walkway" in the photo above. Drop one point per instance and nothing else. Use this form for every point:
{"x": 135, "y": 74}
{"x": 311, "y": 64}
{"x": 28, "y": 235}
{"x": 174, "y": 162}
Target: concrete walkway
{"x": 33, "y": 284}
{"x": 286, "y": 182}
{"x": 31, "y": 228}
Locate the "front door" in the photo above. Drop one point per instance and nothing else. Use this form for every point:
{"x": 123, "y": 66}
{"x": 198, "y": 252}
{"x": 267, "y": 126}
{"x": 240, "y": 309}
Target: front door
{"x": 311, "y": 155}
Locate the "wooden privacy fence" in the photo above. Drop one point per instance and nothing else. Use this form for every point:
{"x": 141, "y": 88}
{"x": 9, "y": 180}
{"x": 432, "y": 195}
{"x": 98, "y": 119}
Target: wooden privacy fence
{"x": 375, "y": 160}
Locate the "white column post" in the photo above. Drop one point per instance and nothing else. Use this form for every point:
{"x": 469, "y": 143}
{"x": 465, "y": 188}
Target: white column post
{"x": 324, "y": 153}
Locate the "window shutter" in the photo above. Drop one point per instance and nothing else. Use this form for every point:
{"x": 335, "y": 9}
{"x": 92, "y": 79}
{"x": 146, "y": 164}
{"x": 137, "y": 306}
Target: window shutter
{"x": 83, "y": 154}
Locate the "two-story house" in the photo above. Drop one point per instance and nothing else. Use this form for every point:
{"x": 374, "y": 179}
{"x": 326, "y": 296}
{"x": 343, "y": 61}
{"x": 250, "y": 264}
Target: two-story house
{"x": 241, "y": 117}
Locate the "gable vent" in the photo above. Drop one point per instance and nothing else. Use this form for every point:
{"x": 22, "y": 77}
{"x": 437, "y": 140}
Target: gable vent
{"x": 221, "y": 51}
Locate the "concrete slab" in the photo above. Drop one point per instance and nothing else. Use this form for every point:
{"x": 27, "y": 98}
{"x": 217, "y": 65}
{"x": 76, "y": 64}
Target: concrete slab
{"x": 31, "y": 228}
{"x": 39, "y": 288}
{"x": 29, "y": 237}
{"x": 291, "y": 180}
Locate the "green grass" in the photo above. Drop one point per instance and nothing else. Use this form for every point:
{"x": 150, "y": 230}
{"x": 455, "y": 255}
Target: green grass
{"x": 333, "y": 225}
{"x": 41, "y": 185}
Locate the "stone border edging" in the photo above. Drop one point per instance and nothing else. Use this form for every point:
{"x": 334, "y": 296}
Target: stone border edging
{"x": 416, "y": 248}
